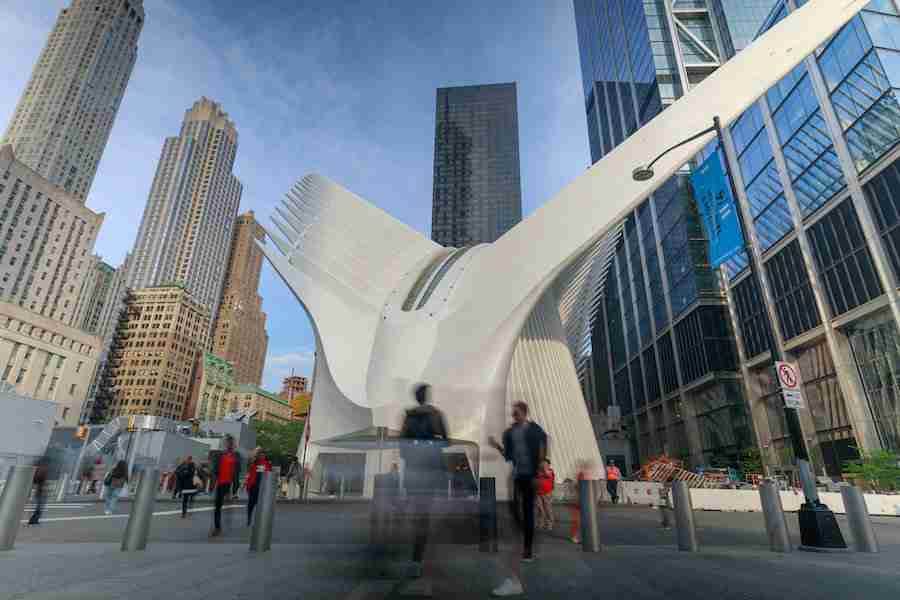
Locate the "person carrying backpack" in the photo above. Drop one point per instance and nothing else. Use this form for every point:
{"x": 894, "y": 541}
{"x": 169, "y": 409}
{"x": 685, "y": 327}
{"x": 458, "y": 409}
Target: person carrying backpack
{"x": 114, "y": 482}
{"x": 186, "y": 482}
{"x": 425, "y": 436}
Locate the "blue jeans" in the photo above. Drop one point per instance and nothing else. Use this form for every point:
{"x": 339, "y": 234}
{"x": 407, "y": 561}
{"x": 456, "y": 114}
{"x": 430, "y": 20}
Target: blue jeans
{"x": 112, "y": 498}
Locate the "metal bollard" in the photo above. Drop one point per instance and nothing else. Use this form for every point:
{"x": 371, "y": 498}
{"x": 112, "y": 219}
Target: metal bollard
{"x": 378, "y": 510}
{"x": 62, "y": 484}
{"x": 342, "y": 488}
{"x": 487, "y": 515}
{"x": 138, "y": 528}
{"x": 684, "y": 517}
{"x": 773, "y": 512}
{"x": 12, "y": 503}
{"x": 858, "y": 517}
{"x": 590, "y": 539}
{"x": 261, "y": 536}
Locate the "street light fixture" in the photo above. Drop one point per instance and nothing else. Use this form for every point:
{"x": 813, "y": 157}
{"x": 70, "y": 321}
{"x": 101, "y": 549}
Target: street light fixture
{"x": 818, "y": 527}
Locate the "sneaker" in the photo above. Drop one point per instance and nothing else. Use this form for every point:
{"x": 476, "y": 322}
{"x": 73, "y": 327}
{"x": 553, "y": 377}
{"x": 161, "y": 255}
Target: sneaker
{"x": 215, "y": 533}
{"x": 107, "y": 512}
{"x": 528, "y": 557}
{"x": 575, "y": 540}
{"x": 416, "y": 570}
{"x": 511, "y": 586}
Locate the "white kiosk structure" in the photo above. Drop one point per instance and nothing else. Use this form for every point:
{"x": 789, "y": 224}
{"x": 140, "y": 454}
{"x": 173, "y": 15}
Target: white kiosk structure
{"x": 482, "y": 324}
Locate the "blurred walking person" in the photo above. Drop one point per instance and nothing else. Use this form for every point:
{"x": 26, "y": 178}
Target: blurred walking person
{"x": 176, "y": 488}
{"x": 226, "y": 472}
{"x": 545, "y": 482}
{"x": 113, "y": 483}
{"x": 255, "y": 469}
{"x": 425, "y": 436}
{"x": 186, "y": 481}
{"x": 39, "y": 482}
{"x": 525, "y": 446}
{"x": 613, "y": 475}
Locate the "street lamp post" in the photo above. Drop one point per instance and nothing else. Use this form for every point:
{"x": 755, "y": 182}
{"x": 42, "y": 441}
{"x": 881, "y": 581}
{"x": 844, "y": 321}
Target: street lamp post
{"x": 818, "y": 527}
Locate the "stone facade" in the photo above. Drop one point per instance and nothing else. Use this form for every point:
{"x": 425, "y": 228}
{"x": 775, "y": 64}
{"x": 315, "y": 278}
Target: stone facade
{"x": 186, "y": 231}
{"x": 239, "y": 334}
{"x": 63, "y": 119}
{"x": 46, "y": 360}
{"x": 269, "y": 407}
{"x": 162, "y": 334}
{"x": 213, "y": 380}
{"x": 47, "y": 239}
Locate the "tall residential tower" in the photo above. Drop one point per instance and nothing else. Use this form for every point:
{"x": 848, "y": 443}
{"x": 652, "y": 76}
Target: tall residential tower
{"x": 185, "y": 233}
{"x": 64, "y": 117}
{"x": 477, "y": 193}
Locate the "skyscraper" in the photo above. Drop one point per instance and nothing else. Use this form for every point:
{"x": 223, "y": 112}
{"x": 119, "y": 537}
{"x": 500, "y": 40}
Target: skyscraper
{"x": 659, "y": 321}
{"x": 239, "y": 334}
{"x": 62, "y": 122}
{"x": 477, "y": 192}
{"x": 185, "y": 233}
{"x": 683, "y": 350}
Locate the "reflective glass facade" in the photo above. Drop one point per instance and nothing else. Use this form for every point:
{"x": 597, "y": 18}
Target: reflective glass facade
{"x": 742, "y": 19}
{"x": 817, "y": 164}
{"x": 477, "y": 192}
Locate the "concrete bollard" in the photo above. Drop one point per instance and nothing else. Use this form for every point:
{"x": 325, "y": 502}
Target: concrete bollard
{"x": 773, "y": 512}
{"x": 590, "y": 537}
{"x": 62, "y": 484}
{"x": 138, "y": 528}
{"x": 487, "y": 515}
{"x": 12, "y": 503}
{"x": 684, "y": 517}
{"x": 261, "y": 535}
{"x": 858, "y": 518}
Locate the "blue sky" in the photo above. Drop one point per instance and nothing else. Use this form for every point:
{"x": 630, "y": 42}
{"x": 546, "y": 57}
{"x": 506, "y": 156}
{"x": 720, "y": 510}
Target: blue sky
{"x": 345, "y": 88}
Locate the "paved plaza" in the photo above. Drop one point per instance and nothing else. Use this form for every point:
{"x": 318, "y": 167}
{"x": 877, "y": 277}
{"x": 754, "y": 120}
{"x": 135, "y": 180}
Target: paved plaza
{"x": 321, "y": 551}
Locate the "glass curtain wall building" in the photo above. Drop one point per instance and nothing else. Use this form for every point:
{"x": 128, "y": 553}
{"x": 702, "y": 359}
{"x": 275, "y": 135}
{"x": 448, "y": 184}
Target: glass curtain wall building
{"x": 477, "y": 192}
{"x": 662, "y": 348}
{"x": 816, "y": 162}
{"x": 818, "y": 176}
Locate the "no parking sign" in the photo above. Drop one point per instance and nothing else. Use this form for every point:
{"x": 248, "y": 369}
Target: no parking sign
{"x": 789, "y": 380}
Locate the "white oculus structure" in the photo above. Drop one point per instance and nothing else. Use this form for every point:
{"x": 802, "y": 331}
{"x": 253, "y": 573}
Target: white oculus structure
{"x": 481, "y": 324}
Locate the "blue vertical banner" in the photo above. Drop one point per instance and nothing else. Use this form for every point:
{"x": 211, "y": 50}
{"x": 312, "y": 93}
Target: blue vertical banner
{"x": 717, "y": 209}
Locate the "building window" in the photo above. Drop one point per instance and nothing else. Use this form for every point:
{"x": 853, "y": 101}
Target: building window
{"x": 883, "y": 194}
{"x": 752, "y": 316}
{"x": 876, "y": 350}
{"x": 652, "y": 377}
{"x": 637, "y": 383}
{"x": 723, "y": 422}
{"x": 705, "y": 343}
{"x": 844, "y": 261}
{"x": 667, "y": 364}
{"x": 795, "y": 305}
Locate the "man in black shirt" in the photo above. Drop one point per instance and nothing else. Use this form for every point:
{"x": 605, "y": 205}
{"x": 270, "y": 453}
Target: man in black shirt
{"x": 525, "y": 446}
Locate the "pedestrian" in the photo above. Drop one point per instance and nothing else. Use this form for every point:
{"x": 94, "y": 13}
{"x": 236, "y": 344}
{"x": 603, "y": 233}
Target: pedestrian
{"x": 226, "y": 470}
{"x": 665, "y": 504}
{"x": 257, "y": 467}
{"x": 39, "y": 483}
{"x": 525, "y": 446}
{"x": 424, "y": 436}
{"x": 113, "y": 483}
{"x": 176, "y": 489}
{"x": 545, "y": 481}
{"x": 186, "y": 481}
{"x": 613, "y": 475}
{"x": 203, "y": 474}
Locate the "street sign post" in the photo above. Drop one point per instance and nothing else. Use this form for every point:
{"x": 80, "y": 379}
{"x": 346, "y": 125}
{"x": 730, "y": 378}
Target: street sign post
{"x": 789, "y": 380}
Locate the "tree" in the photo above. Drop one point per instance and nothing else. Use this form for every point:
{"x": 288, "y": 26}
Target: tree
{"x": 279, "y": 440}
{"x": 879, "y": 468}
{"x": 751, "y": 461}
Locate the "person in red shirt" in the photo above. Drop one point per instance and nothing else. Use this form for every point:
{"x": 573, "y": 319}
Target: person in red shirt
{"x": 613, "y": 475}
{"x": 226, "y": 473}
{"x": 545, "y": 481}
{"x": 257, "y": 467}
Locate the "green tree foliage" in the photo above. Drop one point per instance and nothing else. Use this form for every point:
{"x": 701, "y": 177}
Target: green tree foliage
{"x": 751, "y": 461}
{"x": 880, "y": 469}
{"x": 279, "y": 440}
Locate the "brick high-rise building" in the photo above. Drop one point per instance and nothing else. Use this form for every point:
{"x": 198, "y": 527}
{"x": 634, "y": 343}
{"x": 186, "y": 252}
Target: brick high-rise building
{"x": 63, "y": 119}
{"x": 185, "y": 233}
{"x": 239, "y": 335}
{"x": 160, "y": 338}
